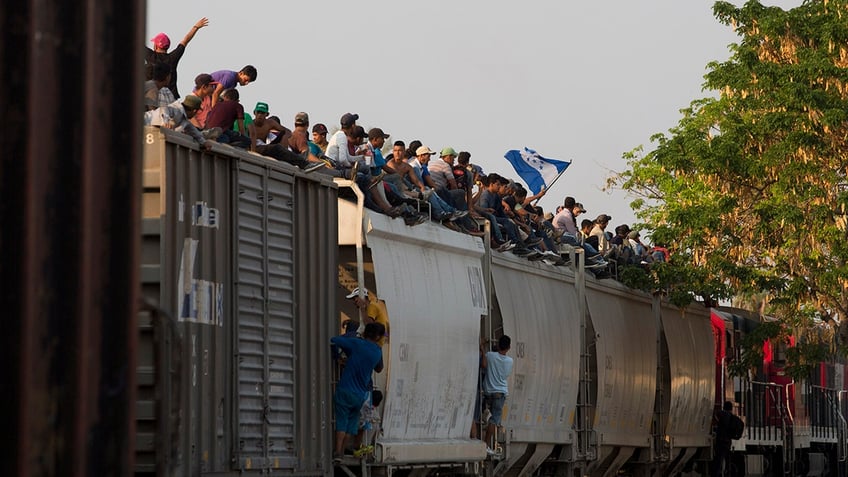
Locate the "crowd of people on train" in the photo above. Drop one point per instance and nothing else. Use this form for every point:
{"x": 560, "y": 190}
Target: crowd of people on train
{"x": 412, "y": 182}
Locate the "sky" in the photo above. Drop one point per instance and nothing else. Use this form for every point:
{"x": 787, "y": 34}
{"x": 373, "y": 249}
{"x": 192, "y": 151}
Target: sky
{"x": 578, "y": 81}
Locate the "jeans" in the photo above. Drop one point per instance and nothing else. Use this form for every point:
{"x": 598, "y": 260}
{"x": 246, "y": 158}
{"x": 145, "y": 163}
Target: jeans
{"x": 496, "y": 229}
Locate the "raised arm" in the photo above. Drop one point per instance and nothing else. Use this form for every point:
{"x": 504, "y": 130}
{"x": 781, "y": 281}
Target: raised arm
{"x": 197, "y": 26}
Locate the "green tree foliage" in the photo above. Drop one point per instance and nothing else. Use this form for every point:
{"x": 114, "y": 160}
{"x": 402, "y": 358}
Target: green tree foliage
{"x": 749, "y": 190}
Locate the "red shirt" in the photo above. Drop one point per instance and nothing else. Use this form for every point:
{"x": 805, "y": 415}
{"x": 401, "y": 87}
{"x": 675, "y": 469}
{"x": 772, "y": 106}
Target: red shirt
{"x": 224, "y": 114}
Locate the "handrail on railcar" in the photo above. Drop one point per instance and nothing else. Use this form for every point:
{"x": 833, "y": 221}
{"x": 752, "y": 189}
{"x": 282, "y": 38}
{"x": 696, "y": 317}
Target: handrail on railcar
{"x": 360, "y": 227}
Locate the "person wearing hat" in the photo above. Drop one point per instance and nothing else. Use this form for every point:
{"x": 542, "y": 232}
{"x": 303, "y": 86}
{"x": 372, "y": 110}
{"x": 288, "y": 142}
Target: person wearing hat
{"x": 259, "y": 130}
{"x": 160, "y": 54}
{"x": 620, "y": 237}
{"x": 639, "y": 248}
{"x": 444, "y": 183}
{"x": 204, "y": 86}
{"x": 370, "y": 311}
{"x": 319, "y": 137}
{"x": 177, "y": 116}
{"x": 299, "y": 140}
{"x": 376, "y": 141}
{"x": 337, "y": 147}
{"x": 599, "y": 230}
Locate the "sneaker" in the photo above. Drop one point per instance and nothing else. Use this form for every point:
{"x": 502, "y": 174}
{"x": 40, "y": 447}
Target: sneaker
{"x": 212, "y": 134}
{"x": 490, "y": 451}
{"x": 451, "y": 225}
{"x": 394, "y": 212}
{"x": 533, "y": 241}
{"x": 521, "y": 251}
{"x": 425, "y": 195}
{"x": 458, "y": 214}
{"x": 412, "y": 221}
{"x": 596, "y": 266}
{"x": 313, "y": 166}
{"x": 535, "y": 256}
{"x": 506, "y": 246}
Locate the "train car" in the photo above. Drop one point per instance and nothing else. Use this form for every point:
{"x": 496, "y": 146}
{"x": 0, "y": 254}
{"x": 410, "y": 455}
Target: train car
{"x": 793, "y": 427}
{"x": 606, "y": 380}
{"x": 238, "y": 273}
{"x": 246, "y": 266}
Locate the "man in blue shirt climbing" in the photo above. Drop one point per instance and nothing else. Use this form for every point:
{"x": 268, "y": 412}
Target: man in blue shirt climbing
{"x": 364, "y": 356}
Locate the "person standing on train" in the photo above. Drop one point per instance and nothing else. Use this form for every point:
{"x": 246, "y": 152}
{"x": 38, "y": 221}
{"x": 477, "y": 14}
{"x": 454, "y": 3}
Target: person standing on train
{"x": 498, "y": 367}
{"x": 723, "y": 440}
{"x": 364, "y": 356}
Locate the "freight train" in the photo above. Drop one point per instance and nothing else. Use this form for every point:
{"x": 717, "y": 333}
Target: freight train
{"x": 246, "y": 263}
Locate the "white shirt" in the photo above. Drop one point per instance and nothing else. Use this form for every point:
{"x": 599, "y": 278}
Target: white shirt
{"x": 337, "y": 150}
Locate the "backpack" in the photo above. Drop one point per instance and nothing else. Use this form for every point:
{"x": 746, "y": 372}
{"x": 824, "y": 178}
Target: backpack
{"x": 737, "y": 427}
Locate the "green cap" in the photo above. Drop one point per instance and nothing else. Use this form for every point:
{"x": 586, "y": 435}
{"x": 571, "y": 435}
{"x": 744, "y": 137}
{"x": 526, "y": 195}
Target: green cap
{"x": 448, "y": 151}
{"x": 191, "y": 101}
{"x": 261, "y": 107}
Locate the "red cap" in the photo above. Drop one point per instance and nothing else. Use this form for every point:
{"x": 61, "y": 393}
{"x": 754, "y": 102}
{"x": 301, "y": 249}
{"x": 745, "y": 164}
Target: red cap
{"x": 161, "y": 41}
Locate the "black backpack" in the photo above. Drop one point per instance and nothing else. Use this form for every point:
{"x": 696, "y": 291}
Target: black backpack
{"x": 737, "y": 427}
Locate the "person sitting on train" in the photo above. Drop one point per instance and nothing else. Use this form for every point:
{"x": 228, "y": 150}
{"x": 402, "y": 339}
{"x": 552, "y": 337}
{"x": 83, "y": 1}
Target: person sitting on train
{"x": 498, "y": 367}
{"x": 620, "y": 236}
{"x": 364, "y": 356}
{"x": 177, "y": 116}
{"x": 599, "y": 230}
{"x": 487, "y": 205}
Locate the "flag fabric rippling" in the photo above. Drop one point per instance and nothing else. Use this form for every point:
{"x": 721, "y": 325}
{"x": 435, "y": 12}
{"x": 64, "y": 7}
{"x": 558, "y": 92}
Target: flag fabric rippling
{"x": 535, "y": 170}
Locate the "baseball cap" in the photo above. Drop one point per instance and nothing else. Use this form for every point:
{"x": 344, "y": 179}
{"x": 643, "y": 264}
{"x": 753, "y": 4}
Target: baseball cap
{"x": 634, "y": 234}
{"x": 355, "y": 293}
{"x": 191, "y": 101}
{"x": 348, "y": 119}
{"x": 424, "y": 150}
{"x": 301, "y": 119}
{"x": 319, "y": 128}
{"x": 603, "y": 218}
{"x": 374, "y": 133}
{"x": 261, "y": 107}
{"x": 359, "y": 131}
{"x": 161, "y": 41}
{"x": 448, "y": 151}
{"x": 203, "y": 79}
{"x": 580, "y": 208}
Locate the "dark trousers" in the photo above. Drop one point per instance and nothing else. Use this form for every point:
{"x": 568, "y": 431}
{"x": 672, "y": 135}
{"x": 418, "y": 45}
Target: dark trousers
{"x": 722, "y": 456}
{"x": 281, "y": 153}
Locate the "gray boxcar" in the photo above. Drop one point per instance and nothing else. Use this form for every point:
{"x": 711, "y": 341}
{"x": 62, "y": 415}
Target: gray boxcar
{"x": 239, "y": 262}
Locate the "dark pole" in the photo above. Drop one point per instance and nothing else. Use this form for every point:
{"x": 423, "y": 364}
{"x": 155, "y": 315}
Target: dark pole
{"x": 70, "y": 166}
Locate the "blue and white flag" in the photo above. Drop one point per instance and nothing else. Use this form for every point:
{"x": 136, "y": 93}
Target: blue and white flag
{"x": 537, "y": 171}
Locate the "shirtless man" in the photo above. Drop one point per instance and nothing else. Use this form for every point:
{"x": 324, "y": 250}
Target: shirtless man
{"x": 439, "y": 209}
{"x": 259, "y": 130}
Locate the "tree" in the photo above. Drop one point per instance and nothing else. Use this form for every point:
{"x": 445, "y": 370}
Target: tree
{"x": 749, "y": 190}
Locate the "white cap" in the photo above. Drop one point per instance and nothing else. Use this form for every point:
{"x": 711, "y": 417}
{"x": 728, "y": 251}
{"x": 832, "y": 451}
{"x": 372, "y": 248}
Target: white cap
{"x": 355, "y": 293}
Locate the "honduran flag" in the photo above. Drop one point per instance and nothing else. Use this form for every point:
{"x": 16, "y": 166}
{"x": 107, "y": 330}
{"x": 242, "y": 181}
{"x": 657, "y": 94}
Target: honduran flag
{"x": 537, "y": 171}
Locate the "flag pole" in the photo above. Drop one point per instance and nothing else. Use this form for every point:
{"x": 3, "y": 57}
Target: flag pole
{"x": 548, "y": 186}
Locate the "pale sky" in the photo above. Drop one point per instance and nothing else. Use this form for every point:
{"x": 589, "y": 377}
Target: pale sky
{"x": 579, "y": 81}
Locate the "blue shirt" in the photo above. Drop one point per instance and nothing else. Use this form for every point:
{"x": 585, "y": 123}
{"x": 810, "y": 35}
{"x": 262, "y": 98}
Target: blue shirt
{"x": 498, "y": 368}
{"x": 363, "y": 357}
